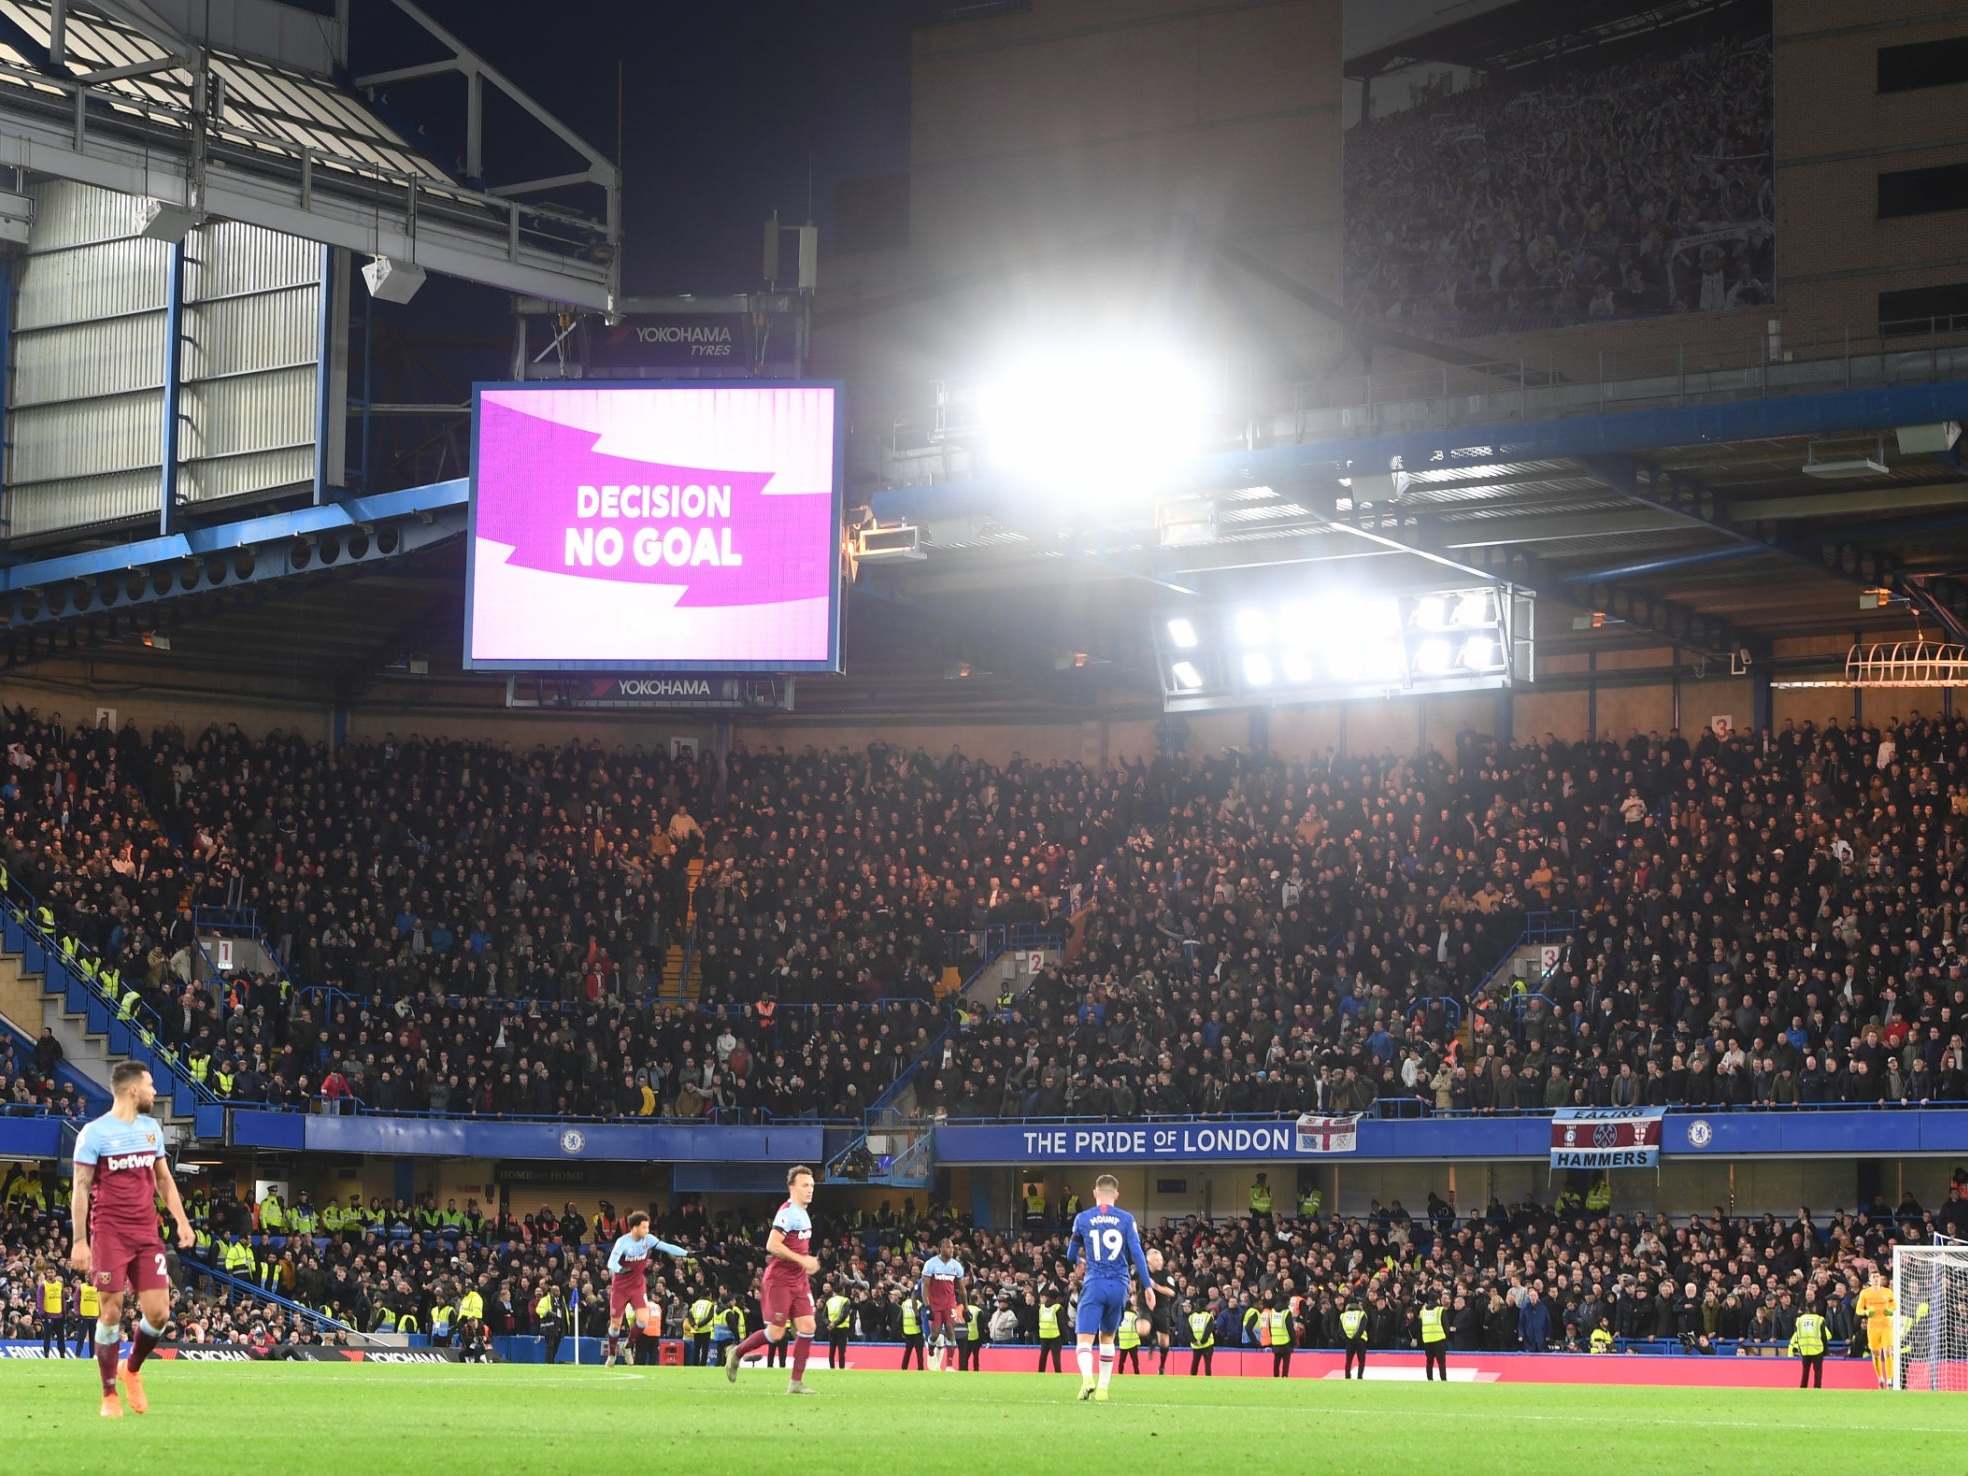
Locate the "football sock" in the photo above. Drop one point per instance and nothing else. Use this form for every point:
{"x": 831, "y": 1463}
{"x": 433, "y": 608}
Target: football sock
{"x": 1106, "y": 1363}
{"x": 109, "y": 1347}
{"x": 1085, "y": 1356}
{"x": 143, "y": 1343}
{"x": 614, "y": 1344}
{"x": 802, "y": 1348}
{"x": 1162, "y": 1368}
{"x": 752, "y": 1344}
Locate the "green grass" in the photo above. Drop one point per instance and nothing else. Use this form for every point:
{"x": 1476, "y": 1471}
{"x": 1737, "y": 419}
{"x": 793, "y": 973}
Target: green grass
{"x": 212, "y": 1419}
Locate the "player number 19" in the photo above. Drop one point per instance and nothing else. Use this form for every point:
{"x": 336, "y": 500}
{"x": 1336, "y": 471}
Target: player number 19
{"x": 1106, "y": 1245}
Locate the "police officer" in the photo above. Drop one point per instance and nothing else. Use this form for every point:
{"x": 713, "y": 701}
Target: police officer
{"x": 1202, "y": 1342}
{"x": 1434, "y": 1335}
{"x": 1260, "y": 1202}
{"x": 1050, "y": 1331}
{"x": 1353, "y": 1328}
{"x": 840, "y": 1323}
{"x": 1808, "y": 1343}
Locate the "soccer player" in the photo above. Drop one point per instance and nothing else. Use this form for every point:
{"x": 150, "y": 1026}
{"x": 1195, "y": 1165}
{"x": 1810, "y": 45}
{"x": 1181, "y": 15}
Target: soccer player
{"x": 119, "y": 1169}
{"x": 942, "y": 1288}
{"x": 1105, "y": 1234}
{"x": 628, "y": 1280}
{"x": 1875, "y": 1309}
{"x": 785, "y": 1293}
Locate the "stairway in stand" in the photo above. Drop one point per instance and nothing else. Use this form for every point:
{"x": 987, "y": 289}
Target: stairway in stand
{"x": 675, "y": 986}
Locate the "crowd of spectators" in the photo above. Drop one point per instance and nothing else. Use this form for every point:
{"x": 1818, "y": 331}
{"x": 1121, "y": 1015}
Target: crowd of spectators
{"x": 1751, "y": 919}
{"x": 1524, "y": 1277}
{"x": 1569, "y": 193}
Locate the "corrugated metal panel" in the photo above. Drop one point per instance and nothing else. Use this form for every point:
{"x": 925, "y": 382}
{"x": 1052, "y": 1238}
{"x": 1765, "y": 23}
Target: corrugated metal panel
{"x": 91, "y": 282}
{"x": 269, "y": 330}
{"x": 83, "y": 438}
{"x": 53, "y": 506}
{"x": 69, "y": 214}
{"x": 254, "y": 412}
{"x": 84, "y": 360}
{"x": 231, "y": 258}
{"x": 238, "y": 476}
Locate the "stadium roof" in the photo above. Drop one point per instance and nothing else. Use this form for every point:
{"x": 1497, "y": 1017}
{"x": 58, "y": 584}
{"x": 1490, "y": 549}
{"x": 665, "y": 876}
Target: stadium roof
{"x": 1484, "y": 35}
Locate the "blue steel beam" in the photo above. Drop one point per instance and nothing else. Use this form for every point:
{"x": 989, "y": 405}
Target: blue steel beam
{"x": 1645, "y": 567}
{"x": 1622, "y": 433}
{"x": 324, "y": 346}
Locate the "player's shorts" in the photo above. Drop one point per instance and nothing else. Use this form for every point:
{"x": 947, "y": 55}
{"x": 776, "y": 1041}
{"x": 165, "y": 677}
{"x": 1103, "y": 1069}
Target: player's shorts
{"x": 945, "y": 1319}
{"x": 123, "y": 1262}
{"x": 1161, "y": 1317}
{"x": 1102, "y": 1305}
{"x": 626, "y": 1294}
{"x": 780, "y": 1302}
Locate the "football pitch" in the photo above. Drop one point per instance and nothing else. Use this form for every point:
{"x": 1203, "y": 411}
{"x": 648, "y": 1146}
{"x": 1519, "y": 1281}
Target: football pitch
{"x": 222, "y": 1418}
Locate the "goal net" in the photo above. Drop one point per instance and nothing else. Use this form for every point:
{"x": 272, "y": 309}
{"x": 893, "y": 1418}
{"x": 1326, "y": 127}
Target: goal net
{"x": 1930, "y": 1315}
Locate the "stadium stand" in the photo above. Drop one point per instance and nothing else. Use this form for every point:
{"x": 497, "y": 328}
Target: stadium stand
{"x": 1767, "y": 920}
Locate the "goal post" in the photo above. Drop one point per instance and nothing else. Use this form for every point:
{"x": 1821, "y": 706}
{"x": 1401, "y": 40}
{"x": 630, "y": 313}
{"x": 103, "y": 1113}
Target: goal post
{"x": 1930, "y": 1316}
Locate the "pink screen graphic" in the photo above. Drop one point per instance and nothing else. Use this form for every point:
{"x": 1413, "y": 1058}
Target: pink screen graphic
{"x": 640, "y": 527}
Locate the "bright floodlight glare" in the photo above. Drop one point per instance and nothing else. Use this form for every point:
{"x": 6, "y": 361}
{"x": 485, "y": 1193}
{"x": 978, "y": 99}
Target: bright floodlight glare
{"x": 1479, "y": 653}
{"x": 1431, "y": 612}
{"x": 1182, "y": 634}
{"x": 1473, "y": 609}
{"x": 1257, "y": 668}
{"x": 1433, "y": 657}
{"x": 1186, "y": 675}
{"x": 1297, "y": 666}
{"x": 1095, "y": 423}
{"x": 1253, "y": 627}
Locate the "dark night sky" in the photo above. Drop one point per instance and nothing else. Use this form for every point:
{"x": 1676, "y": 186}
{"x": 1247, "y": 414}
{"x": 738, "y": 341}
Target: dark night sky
{"x": 727, "y": 102}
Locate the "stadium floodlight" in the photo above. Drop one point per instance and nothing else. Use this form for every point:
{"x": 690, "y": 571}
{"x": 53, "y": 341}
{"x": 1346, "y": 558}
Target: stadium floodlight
{"x": 1182, "y": 634}
{"x": 1257, "y": 668}
{"x": 1432, "y": 613}
{"x": 1473, "y": 608}
{"x": 1481, "y": 653}
{"x": 1297, "y": 667}
{"x": 1187, "y": 676}
{"x": 1253, "y": 627}
{"x": 1434, "y": 657}
{"x": 1102, "y": 423}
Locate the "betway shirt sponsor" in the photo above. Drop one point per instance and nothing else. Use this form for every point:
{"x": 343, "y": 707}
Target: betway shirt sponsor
{"x": 124, "y": 1156}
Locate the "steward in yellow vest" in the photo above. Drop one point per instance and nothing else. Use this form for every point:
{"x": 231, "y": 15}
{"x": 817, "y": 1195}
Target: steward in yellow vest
{"x": 1808, "y": 1342}
{"x": 1353, "y": 1327}
{"x": 1602, "y": 1339}
{"x": 1050, "y": 1311}
{"x": 1434, "y": 1338}
{"x": 1202, "y": 1342}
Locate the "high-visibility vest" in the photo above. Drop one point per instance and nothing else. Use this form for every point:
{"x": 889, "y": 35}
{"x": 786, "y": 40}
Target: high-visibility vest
{"x": 1281, "y": 1330}
{"x": 51, "y": 1298}
{"x": 1202, "y": 1332}
{"x": 331, "y": 1218}
{"x": 911, "y": 1325}
{"x": 1352, "y": 1321}
{"x": 1808, "y": 1341}
{"x": 239, "y": 1258}
{"x": 272, "y": 1218}
{"x": 201, "y": 1067}
{"x": 301, "y": 1220}
{"x": 697, "y": 1317}
{"x": 222, "y": 1083}
{"x": 1129, "y": 1336}
{"x": 1048, "y": 1321}
{"x": 1600, "y": 1196}
{"x": 839, "y": 1311}
{"x": 1310, "y": 1203}
{"x": 1432, "y": 1330}
{"x": 1602, "y": 1341}
{"x": 1072, "y": 1206}
{"x": 1260, "y": 1199}
{"x": 1251, "y": 1319}
{"x": 1035, "y": 1204}
{"x": 407, "y": 1323}
{"x": 91, "y": 1305}
{"x": 973, "y": 1323}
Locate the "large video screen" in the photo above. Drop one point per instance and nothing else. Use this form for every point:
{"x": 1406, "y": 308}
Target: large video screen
{"x": 655, "y": 528}
{"x": 1512, "y": 166}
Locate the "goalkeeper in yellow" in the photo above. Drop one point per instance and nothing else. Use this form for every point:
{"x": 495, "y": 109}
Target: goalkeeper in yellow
{"x": 1875, "y": 1310}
